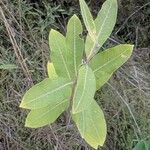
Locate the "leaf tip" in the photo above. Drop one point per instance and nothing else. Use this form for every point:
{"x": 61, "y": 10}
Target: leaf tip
{"x": 22, "y": 105}
{"x": 51, "y": 71}
{"x": 74, "y": 16}
{"x": 95, "y": 147}
{"x": 29, "y": 122}
{"x": 132, "y": 46}
{"x": 52, "y": 31}
{"x": 28, "y": 125}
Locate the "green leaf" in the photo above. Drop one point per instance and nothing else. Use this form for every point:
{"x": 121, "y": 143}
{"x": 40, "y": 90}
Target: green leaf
{"x": 92, "y": 125}
{"x": 51, "y": 71}
{"x": 142, "y": 145}
{"x": 108, "y": 61}
{"x": 101, "y": 78}
{"x": 59, "y": 54}
{"x": 75, "y": 44}
{"x": 106, "y": 20}
{"x": 8, "y": 66}
{"x": 48, "y": 92}
{"x": 84, "y": 90}
{"x": 88, "y": 19}
{"x": 104, "y": 23}
{"x": 47, "y": 115}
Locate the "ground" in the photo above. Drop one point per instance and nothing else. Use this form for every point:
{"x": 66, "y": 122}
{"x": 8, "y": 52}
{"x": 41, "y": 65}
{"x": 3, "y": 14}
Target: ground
{"x": 24, "y": 28}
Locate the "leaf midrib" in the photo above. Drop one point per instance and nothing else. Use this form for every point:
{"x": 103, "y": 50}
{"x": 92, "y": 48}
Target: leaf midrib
{"x": 74, "y": 46}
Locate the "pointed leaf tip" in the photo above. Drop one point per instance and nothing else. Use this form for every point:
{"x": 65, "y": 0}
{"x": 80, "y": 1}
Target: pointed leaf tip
{"x": 51, "y": 71}
{"x": 21, "y": 105}
{"x": 75, "y": 16}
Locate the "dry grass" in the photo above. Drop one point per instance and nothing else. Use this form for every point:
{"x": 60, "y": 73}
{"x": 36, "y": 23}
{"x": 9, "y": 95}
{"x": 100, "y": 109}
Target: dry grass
{"x": 24, "y": 29}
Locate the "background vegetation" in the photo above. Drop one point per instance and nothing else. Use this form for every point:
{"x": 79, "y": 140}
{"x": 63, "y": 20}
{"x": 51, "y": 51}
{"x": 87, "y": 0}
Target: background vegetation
{"x": 24, "y": 51}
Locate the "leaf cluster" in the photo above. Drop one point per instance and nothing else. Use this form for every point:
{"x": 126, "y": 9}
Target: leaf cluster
{"x": 77, "y": 70}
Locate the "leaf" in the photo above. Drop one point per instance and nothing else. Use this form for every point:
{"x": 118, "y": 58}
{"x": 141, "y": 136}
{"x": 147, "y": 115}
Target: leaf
{"x": 106, "y": 20}
{"x": 104, "y": 23}
{"x": 75, "y": 44}
{"x": 59, "y": 54}
{"x": 101, "y": 78}
{"x": 88, "y": 19}
{"x": 8, "y": 66}
{"x": 51, "y": 71}
{"x": 47, "y": 115}
{"x": 142, "y": 145}
{"x": 84, "y": 90}
{"x": 48, "y": 92}
{"x": 108, "y": 61}
{"x": 92, "y": 125}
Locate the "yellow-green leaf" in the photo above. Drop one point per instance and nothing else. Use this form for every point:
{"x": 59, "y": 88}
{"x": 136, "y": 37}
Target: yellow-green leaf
{"x": 51, "y": 71}
{"x": 108, "y": 61}
{"x": 75, "y": 44}
{"x": 92, "y": 125}
{"x": 104, "y": 23}
{"x": 47, "y": 115}
{"x": 48, "y": 92}
{"x": 106, "y": 20}
{"x": 59, "y": 54}
{"x": 84, "y": 90}
{"x": 88, "y": 19}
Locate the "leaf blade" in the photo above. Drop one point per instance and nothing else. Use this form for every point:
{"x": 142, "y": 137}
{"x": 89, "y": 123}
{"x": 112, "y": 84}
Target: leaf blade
{"x": 44, "y": 116}
{"x": 108, "y": 61}
{"x": 45, "y": 93}
{"x": 106, "y": 19}
{"x": 84, "y": 90}
{"x": 88, "y": 19}
{"x": 104, "y": 23}
{"x": 92, "y": 125}
{"x": 74, "y": 43}
{"x": 58, "y": 47}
